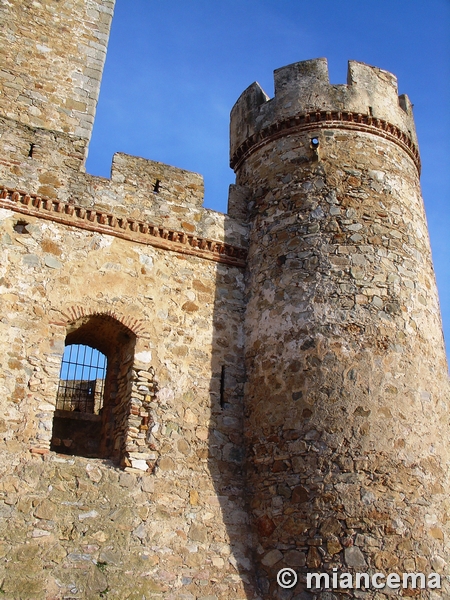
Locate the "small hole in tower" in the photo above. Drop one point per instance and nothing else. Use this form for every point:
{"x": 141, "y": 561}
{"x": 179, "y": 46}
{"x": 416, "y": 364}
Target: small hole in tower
{"x": 370, "y": 111}
{"x": 156, "y": 187}
{"x": 30, "y": 151}
{"x": 314, "y": 142}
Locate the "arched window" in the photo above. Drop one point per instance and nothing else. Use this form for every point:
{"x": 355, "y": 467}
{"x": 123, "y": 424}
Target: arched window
{"x": 94, "y": 393}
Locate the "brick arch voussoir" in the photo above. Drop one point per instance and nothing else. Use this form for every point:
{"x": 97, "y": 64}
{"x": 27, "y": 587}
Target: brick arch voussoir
{"x": 75, "y": 312}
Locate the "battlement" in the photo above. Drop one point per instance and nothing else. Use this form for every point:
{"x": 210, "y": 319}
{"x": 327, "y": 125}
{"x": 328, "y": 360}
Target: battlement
{"x": 304, "y": 96}
{"x": 157, "y": 180}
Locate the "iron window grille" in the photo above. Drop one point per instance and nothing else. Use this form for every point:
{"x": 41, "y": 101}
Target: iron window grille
{"x": 82, "y": 380}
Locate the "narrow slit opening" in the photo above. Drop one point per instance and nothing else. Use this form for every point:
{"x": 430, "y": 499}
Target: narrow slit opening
{"x": 222, "y": 387}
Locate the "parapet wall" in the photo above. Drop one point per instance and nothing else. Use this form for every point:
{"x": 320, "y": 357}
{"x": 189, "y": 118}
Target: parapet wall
{"x": 51, "y": 67}
{"x": 144, "y": 193}
{"x": 166, "y": 182}
{"x": 304, "y": 96}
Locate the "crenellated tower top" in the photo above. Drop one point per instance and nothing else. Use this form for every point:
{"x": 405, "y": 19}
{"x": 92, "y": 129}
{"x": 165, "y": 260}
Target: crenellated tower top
{"x": 305, "y": 99}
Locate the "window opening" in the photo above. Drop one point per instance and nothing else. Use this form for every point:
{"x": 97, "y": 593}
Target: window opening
{"x": 92, "y": 413}
{"x": 82, "y": 380}
{"x": 222, "y": 386}
{"x": 21, "y": 227}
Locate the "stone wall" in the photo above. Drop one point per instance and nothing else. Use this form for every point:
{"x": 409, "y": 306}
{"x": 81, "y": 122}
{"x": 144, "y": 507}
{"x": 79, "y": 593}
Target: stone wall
{"x": 136, "y": 267}
{"x": 52, "y": 62}
{"x": 276, "y": 391}
{"x": 173, "y": 523}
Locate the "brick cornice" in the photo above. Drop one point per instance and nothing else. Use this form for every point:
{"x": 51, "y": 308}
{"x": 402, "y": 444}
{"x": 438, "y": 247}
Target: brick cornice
{"x": 326, "y": 120}
{"x": 125, "y": 228}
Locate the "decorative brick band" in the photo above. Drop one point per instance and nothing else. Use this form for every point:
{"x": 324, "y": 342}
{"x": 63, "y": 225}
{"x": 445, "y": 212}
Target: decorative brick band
{"x": 121, "y": 227}
{"x": 327, "y": 120}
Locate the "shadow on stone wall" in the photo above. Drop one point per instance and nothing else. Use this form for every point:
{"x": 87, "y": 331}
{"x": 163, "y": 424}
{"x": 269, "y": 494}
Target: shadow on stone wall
{"x": 226, "y": 461}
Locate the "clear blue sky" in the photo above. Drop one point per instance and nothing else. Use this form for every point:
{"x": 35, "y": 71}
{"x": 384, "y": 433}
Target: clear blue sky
{"x": 175, "y": 68}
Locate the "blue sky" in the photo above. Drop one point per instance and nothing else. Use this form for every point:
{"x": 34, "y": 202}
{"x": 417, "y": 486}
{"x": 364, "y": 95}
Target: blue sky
{"x": 175, "y": 68}
{"x": 82, "y": 362}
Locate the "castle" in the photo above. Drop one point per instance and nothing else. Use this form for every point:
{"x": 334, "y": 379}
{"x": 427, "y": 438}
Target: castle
{"x": 274, "y": 387}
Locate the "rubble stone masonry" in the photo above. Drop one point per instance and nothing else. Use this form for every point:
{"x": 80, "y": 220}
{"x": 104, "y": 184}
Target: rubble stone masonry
{"x": 276, "y": 391}
{"x": 346, "y": 394}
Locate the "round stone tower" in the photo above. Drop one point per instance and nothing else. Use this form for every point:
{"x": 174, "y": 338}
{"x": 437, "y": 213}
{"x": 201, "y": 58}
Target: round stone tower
{"x": 347, "y": 387}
